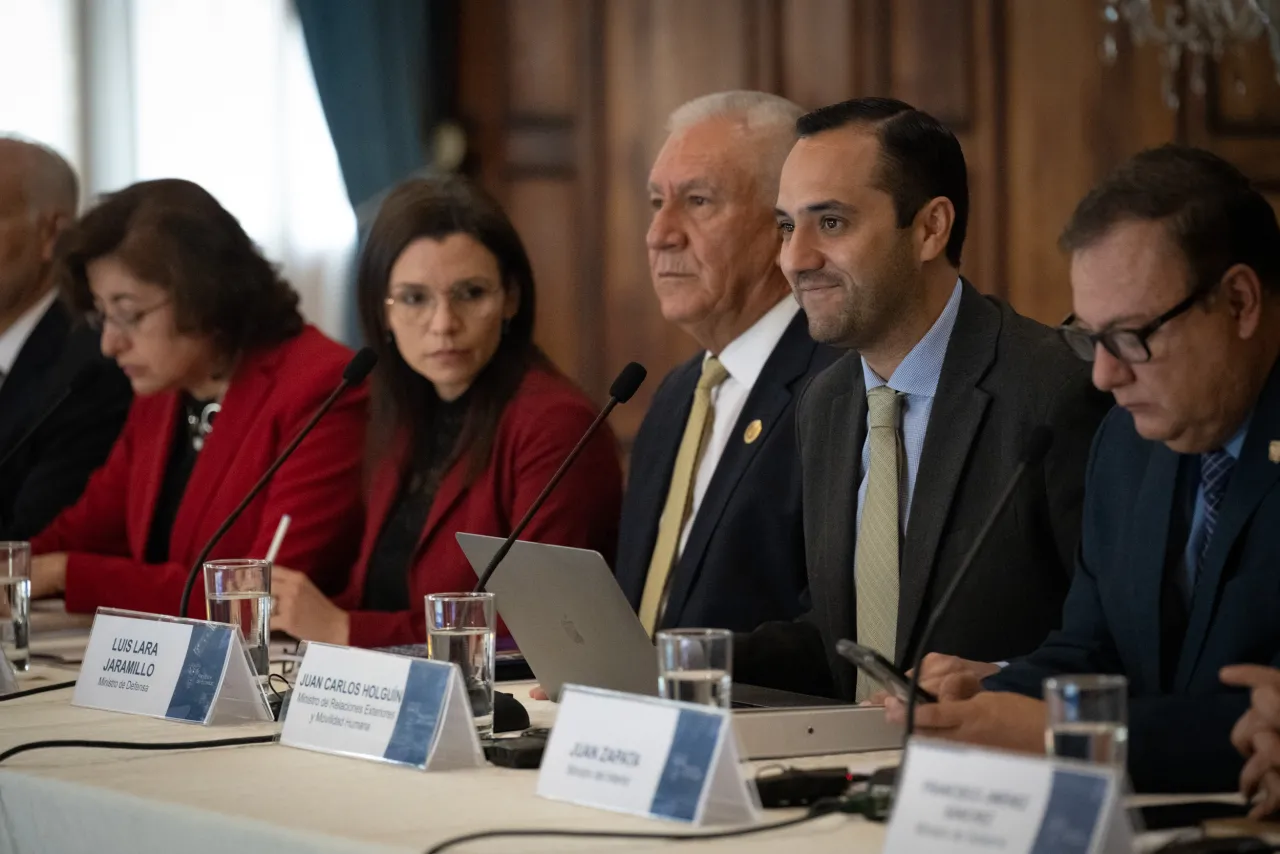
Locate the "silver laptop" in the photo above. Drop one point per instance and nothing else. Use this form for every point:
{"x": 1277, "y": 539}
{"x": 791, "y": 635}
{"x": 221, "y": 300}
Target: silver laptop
{"x": 570, "y": 618}
{"x": 574, "y": 625}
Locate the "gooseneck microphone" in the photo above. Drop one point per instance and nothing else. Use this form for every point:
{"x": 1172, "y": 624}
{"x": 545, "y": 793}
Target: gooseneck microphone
{"x": 620, "y": 392}
{"x": 79, "y": 382}
{"x": 353, "y": 374}
{"x": 1034, "y": 451}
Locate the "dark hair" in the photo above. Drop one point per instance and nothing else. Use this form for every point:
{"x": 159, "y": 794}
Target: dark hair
{"x": 920, "y": 159}
{"x": 175, "y": 235}
{"x": 403, "y": 400}
{"x": 1212, "y": 212}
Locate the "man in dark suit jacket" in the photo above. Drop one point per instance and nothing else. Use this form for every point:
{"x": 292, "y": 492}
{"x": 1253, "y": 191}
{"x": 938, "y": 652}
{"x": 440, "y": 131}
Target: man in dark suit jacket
{"x": 41, "y": 353}
{"x": 1175, "y": 277}
{"x": 873, "y": 206}
{"x": 715, "y": 540}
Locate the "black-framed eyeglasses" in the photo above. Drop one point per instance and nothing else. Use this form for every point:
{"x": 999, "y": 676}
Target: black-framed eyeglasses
{"x": 1127, "y": 345}
{"x": 125, "y": 321}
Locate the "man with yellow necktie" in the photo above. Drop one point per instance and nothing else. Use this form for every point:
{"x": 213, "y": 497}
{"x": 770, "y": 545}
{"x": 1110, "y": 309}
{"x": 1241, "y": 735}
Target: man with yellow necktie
{"x": 906, "y": 441}
{"x": 711, "y": 532}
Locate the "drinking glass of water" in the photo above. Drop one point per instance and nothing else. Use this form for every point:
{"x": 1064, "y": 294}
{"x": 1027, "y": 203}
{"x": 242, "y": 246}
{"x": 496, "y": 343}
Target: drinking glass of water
{"x": 239, "y": 592}
{"x": 460, "y": 628}
{"x": 695, "y": 666}
{"x": 1088, "y": 718}
{"x": 15, "y": 604}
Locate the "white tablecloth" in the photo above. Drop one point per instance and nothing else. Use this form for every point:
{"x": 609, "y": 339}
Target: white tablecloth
{"x": 283, "y": 800}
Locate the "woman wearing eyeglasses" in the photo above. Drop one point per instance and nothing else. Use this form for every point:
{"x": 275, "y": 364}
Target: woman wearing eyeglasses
{"x": 224, "y": 373}
{"x": 470, "y": 419}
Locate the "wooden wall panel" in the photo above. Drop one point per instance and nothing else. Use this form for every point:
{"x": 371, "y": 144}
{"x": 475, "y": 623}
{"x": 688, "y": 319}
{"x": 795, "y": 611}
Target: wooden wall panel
{"x": 565, "y": 101}
{"x": 819, "y": 51}
{"x": 932, "y": 58}
{"x": 544, "y": 45}
{"x": 539, "y": 209}
{"x": 1068, "y": 120}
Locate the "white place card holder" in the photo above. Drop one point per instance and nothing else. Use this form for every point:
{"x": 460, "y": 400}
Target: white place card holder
{"x": 8, "y": 679}
{"x": 389, "y": 708}
{"x": 956, "y": 799}
{"x": 184, "y": 670}
{"x": 646, "y": 756}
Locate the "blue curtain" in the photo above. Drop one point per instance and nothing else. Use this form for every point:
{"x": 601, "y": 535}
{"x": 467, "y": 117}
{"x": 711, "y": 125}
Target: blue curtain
{"x": 385, "y": 73}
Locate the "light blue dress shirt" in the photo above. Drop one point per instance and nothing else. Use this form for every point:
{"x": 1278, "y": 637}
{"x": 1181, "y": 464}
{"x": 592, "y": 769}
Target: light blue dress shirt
{"x": 916, "y": 379}
{"x": 1195, "y": 541}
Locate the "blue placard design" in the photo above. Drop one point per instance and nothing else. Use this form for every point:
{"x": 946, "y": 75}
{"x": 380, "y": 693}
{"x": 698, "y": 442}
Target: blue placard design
{"x": 201, "y": 672}
{"x": 688, "y": 763}
{"x": 420, "y": 713}
{"x": 1075, "y": 804}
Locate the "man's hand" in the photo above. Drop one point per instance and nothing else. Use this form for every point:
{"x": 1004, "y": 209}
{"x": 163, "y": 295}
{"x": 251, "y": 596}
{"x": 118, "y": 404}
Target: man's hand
{"x": 48, "y": 575}
{"x": 943, "y": 676}
{"x": 536, "y": 693}
{"x": 987, "y": 718}
{"x": 1257, "y": 735}
{"x": 301, "y": 610}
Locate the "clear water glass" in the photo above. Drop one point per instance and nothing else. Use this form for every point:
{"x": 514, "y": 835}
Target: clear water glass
{"x": 239, "y": 592}
{"x": 15, "y": 604}
{"x": 696, "y": 666}
{"x": 1088, "y": 718}
{"x": 460, "y": 629}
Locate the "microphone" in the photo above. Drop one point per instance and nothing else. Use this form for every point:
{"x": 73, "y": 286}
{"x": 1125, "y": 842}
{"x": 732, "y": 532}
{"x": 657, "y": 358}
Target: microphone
{"x": 620, "y": 392}
{"x": 79, "y": 382}
{"x": 353, "y": 374}
{"x": 1034, "y": 451}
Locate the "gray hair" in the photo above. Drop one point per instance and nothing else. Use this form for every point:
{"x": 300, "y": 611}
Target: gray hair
{"x": 770, "y": 121}
{"x": 49, "y": 183}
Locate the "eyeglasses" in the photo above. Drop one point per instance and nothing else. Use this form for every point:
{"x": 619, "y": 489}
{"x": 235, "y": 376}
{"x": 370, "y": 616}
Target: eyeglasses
{"x": 125, "y": 321}
{"x": 1127, "y": 345}
{"x": 466, "y": 299}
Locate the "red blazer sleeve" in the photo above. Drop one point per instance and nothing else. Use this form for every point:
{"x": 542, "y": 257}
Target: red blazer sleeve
{"x": 319, "y": 487}
{"x": 96, "y": 522}
{"x": 582, "y": 511}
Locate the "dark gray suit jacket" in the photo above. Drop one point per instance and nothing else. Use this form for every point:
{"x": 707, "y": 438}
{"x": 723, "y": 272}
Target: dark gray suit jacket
{"x": 1003, "y": 375}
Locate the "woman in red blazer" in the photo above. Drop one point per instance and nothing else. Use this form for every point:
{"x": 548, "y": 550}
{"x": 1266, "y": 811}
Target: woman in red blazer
{"x": 470, "y": 420}
{"x": 225, "y": 373}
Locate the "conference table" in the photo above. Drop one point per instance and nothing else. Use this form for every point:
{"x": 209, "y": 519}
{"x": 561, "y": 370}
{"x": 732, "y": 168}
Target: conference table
{"x": 273, "y": 798}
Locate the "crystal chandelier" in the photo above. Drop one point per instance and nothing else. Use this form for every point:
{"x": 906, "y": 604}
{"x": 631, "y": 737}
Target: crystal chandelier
{"x": 1205, "y": 29}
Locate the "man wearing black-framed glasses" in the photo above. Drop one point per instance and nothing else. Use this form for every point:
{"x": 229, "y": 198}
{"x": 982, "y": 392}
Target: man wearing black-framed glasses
{"x": 1175, "y": 277}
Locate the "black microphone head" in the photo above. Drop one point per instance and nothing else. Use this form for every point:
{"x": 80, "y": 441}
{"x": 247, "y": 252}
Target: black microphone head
{"x": 359, "y": 366}
{"x": 627, "y": 382}
{"x": 1038, "y": 445}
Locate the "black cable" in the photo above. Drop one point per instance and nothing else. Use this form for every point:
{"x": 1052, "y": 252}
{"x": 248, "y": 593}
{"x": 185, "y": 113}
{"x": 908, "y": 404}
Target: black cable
{"x": 57, "y": 686}
{"x": 137, "y": 745}
{"x": 818, "y": 810}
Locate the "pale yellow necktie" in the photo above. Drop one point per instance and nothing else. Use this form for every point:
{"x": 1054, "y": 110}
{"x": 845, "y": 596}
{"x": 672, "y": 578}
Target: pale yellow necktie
{"x": 876, "y": 560}
{"x": 676, "y": 510}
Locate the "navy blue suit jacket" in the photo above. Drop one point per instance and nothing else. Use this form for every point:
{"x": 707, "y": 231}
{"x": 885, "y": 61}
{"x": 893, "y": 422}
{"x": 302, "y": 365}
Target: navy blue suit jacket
{"x": 1113, "y": 618}
{"x": 744, "y": 560}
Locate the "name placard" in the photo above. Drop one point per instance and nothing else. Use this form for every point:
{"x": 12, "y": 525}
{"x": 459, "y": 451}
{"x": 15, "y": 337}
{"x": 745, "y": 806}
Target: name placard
{"x": 163, "y": 667}
{"x": 374, "y": 705}
{"x": 646, "y": 756}
{"x": 962, "y": 800}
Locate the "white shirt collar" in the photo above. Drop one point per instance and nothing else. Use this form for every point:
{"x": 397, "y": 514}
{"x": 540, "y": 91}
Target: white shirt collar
{"x": 15, "y": 337}
{"x": 745, "y": 355}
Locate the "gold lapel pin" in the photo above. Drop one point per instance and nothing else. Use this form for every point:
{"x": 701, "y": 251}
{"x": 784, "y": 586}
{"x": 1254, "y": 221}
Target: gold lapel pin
{"x": 755, "y": 428}
{"x": 1273, "y": 452}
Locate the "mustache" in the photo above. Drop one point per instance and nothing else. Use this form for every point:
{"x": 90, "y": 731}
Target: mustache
{"x": 809, "y": 279}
